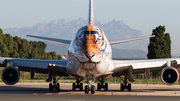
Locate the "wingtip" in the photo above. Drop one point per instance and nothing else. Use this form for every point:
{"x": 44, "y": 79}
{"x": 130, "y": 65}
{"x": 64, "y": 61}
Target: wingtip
{"x": 152, "y": 35}
{"x": 28, "y": 35}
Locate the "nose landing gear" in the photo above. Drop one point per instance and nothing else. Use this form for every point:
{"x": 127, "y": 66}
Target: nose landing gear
{"x": 90, "y": 87}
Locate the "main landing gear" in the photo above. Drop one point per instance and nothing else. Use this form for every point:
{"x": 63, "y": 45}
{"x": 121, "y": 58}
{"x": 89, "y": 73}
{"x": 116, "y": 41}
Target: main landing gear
{"x": 125, "y": 86}
{"x": 53, "y": 85}
{"x": 78, "y": 85}
{"x": 101, "y": 85}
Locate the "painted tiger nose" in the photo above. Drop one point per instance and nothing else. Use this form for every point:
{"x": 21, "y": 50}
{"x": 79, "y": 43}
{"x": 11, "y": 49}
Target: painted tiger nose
{"x": 89, "y": 55}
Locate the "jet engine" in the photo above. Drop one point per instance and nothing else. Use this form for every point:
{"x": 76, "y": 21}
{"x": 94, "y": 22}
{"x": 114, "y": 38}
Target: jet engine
{"x": 10, "y": 75}
{"x": 169, "y": 75}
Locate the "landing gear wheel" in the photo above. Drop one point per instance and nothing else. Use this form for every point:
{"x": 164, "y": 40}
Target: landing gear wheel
{"x": 106, "y": 87}
{"x": 92, "y": 89}
{"x": 57, "y": 87}
{"x": 50, "y": 87}
{"x": 54, "y": 85}
{"x": 125, "y": 85}
{"x": 129, "y": 87}
{"x": 102, "y": 85}
{"x": 86, "y": 89}
{"x": 73, "y": 87}
{"x": 81, "y": 87}
{"x": 122, "y": 87}
{"x": 77, "y": 85}
{"x": 98, "y": 86}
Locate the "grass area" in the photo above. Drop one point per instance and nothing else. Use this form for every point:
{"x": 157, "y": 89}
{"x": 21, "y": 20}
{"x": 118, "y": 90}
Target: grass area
{"x": 137, "y": 81}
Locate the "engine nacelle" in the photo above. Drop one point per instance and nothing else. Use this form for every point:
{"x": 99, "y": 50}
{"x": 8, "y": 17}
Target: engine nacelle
{"x": 10, "y": 75}
{"x": 169, "y": 75}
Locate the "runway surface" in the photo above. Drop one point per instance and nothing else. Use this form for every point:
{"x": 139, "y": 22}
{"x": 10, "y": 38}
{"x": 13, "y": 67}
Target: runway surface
{"x": 140, "y": 92}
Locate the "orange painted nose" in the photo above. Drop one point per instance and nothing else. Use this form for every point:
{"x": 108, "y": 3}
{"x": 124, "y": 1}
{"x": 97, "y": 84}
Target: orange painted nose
{"x": 89, "y": 55}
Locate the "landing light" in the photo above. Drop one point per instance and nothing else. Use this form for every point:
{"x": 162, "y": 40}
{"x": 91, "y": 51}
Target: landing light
{"x": 50, "y": 64}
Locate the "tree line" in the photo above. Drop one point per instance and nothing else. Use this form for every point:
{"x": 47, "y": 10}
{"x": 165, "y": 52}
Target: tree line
{"x": 16, "y": 47}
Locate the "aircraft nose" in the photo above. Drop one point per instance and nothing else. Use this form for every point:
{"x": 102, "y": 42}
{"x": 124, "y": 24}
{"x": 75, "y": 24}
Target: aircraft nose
{"x": 89, "y": 55}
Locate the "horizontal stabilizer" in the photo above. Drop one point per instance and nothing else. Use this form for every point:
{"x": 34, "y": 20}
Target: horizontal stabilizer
{"x": 51, "y": 39}
{"x": 112, "y": 42}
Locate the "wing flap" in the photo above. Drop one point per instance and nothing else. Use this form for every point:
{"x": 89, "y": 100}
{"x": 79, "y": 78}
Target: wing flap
{"x": 35, "y": 63}
{"x": 31, "y": 63}
{"x": 138, "y": 65}
{"x": 150, "y": 64}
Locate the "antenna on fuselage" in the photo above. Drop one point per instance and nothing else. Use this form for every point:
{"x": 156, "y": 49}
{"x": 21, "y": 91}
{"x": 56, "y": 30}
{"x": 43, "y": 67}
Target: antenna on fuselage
{"x": 91, "y": 13}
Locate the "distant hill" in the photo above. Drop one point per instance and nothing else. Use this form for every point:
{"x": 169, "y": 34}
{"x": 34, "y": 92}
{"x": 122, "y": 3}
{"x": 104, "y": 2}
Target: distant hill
{"x": 117, "y": 53}
{"x": 64, "y": 29}
{"x": 128, "y": 53}
{"x": 58, "y": 48}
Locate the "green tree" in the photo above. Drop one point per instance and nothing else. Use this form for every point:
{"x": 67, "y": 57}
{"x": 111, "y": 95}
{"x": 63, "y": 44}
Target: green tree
{"x": 167, "y": 50}
{"x": 59, "y": 57}
{"x": 15, "y": 53}
{"x": 38, "y": 50}
{"x": 160, "y": 46}
{"x": 54, "y": 56}
{"x": 20, "y": 48}
{"x": 48, "y": 56}
{"x": 3, "y": 49}
{"x": 1, "y": 31}
{"x": 9, "y": 44}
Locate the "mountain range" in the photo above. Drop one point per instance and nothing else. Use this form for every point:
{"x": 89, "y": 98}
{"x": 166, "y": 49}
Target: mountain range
{"x": 117, "y": 53}
{"x": 64, "y": 29}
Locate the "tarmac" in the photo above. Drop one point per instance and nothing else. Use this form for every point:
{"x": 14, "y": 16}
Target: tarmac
{"x": 140, "y": 92}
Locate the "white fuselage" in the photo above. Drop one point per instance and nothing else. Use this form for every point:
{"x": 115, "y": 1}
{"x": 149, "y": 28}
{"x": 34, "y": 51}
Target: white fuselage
{"x": 90, "y": 54}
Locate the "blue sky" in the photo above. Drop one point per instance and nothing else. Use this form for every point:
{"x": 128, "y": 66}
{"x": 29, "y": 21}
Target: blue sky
{"x": 143, "y": 15}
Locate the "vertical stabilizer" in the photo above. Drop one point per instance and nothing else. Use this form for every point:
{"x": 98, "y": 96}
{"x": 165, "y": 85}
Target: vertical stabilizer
{"x": 91, "y": 13}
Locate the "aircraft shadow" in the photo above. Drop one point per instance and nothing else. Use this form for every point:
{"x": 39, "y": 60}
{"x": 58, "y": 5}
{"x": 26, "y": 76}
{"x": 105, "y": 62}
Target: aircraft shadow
{"x": 32, "y": 90}
{"x": 145, "y": 90}
{"x": 26, "y": 90}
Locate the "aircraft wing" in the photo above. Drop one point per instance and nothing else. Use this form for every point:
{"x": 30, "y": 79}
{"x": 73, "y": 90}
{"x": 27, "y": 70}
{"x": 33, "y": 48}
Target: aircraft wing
{"x": 35, "y": 63}
{"x": 51, "y": 39}
{"x": 112, "y": 42}
{"x": 139, "y": 66}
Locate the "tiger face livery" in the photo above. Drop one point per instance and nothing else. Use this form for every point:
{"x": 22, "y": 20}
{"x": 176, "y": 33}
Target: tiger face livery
{"x": 89, "y": 43}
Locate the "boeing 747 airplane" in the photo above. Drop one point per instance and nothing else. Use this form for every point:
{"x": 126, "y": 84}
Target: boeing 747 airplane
{"x": 89, "y": 58}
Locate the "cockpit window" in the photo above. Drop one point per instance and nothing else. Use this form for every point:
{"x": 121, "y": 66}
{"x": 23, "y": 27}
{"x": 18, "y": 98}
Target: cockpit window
{"x": 91, "y": 32}
{"x": 98, "y": 36}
